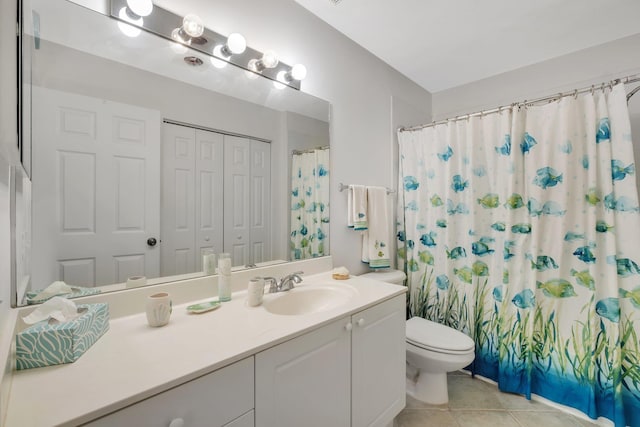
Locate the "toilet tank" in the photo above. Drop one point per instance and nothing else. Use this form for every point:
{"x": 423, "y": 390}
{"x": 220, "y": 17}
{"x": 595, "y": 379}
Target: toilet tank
{"x": 395, "y": 277}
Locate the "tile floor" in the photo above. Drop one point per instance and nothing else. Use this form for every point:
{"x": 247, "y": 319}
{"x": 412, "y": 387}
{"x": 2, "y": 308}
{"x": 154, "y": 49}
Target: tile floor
{"x": 476, "y": 403}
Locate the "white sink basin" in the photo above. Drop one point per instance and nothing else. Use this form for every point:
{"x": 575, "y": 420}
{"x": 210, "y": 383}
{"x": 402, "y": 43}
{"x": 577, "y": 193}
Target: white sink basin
{"x": 308, "y": 299}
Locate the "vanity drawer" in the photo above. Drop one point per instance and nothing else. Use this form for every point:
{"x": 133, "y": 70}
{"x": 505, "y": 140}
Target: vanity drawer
{"x": 213, "y": 400}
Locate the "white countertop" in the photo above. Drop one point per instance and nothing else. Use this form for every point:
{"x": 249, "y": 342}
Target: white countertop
{"x": 133, "y": 361}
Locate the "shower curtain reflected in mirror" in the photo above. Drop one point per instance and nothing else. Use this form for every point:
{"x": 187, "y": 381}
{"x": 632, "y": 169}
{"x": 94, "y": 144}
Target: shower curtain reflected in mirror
{"x": 309, "y": 237}
{"x": 521, "y": 229}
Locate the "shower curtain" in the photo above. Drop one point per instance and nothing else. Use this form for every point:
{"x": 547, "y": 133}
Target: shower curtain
{"x": 309, "y": 204}
{"x": 521, "y": 229}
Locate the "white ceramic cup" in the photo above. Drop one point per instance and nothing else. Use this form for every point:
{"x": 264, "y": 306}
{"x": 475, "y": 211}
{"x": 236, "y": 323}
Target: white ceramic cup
{"x": 255, "y": 291}
{"x": 158, "y": 309}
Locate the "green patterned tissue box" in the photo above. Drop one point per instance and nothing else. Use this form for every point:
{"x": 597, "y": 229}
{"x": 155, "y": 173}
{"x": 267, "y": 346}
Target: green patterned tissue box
{"x": 45, "y": 344}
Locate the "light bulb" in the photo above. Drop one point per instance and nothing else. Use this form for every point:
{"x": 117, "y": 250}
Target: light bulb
{"x": 281, "y": 80}
{"x": 178, "y": 35}
{"x": 236, "y": 43}
{"x": 269, "y": 59}
{"x": 140, "y": 7}
{"x": 192, "y": 25}
{"x": 298, "y": 72}
{"x": 219, "y": 51}
{"x": 129, "y": 30}
{"x": 253, "y": 66}
{"x": 218, "y": 63}
{"x": 279, "y": 85}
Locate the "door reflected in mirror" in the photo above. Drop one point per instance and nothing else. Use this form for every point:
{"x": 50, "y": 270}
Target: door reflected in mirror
{"x": 140, "y": 163}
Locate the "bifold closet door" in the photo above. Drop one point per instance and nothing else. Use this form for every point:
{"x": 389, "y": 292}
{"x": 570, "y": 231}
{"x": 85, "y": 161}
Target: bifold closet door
{"x": 96, "y": 192}
{"x": 247, "y": 200}
{"x": 192, "y": 188}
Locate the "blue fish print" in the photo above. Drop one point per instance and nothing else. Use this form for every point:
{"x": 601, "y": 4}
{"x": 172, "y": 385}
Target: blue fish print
{"x": 304, "y": 230}
{"x": 623, "y": 204}
{"x": 609, "y": 308}
{"x": 553, "y": 208}
{"x": 619, "y": 171}
{"x": 431, "y": 174}
{"x": 320, "y": 234}
{"x": 534, "y": 207}
{"x": 412, "y": 206}
{"x": 602, "y": 226}
{"x": 421, "y": 227}
{"x": 570, "y": 236}
{"x": 458, "y": 183}
{"x": 584, "y": 254}
{"x": 294, "y": 192}
{"x": 505, "y": 148}
{"x": 566, "y": 148}
{"x": 410, "y": 244}
{"x": 508, "y": 245}
{"x": 524, "y": 299}
{"x": 428, "y": 239}
{"x": 442, "y": 223}
{"x": 521, "y": 228}
{"x": 547, "y": 177}
{"x": 452, "y": 209}
{"x": 542, "y": 263}
{"x": 527, "y": 143}
{"x": 322, "y": 171}
{"x": 442, "y": 282}
{"x": 401, "y": 235}
{"x": 410, "y": 183}
{"x": 585, "y": 161}
{"x": 499, "y": 226}
{"x": 604, "y": 131}
{"x": 480, "y": 171}
{"x": 624, "y": 266}
{"x": 497, "y": 293}
{"x": 481, "y": 249}
{"x": 446, "y": 155}
{"x": 456, "y": 253}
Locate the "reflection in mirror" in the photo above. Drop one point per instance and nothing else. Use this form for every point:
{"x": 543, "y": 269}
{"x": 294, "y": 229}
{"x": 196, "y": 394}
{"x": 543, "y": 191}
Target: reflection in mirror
{"x": 140, "y": 161}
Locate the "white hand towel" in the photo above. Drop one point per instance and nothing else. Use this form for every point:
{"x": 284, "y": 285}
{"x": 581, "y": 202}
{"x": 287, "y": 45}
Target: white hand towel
{"x": 375, "y": 241}
{"x": 358, "y": 207}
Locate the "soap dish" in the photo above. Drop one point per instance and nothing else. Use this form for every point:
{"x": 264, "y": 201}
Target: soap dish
{"x": 203, "y": 307}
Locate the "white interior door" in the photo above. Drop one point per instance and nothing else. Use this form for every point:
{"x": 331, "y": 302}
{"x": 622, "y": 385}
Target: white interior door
{"x": 178, "y": 200}
{"x": 237, "y": 173}
{"x": 96, "y": 193}
{"x": 260, "y": 242}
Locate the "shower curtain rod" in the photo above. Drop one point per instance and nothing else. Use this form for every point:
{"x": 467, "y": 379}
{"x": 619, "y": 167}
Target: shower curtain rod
{"x": 550, "y": 98}
{"x": 311, "y": 150}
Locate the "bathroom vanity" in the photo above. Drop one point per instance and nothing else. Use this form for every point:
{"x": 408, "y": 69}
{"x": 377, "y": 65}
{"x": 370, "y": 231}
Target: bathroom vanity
{"x": 327, "y": 353}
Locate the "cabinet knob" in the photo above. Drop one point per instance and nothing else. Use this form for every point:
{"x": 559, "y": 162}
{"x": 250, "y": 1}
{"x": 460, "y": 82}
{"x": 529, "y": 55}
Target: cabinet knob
{"x": 360, "y": 322}
{"x": 348, "y": 326}
{"x": 177, "y": 422}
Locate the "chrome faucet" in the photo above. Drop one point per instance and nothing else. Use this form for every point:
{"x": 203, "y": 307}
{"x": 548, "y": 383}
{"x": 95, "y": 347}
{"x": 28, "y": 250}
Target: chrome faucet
{"x": 287, "y": 283}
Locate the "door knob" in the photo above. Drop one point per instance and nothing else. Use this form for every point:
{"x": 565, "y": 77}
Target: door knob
{"x": 151, "y": 241}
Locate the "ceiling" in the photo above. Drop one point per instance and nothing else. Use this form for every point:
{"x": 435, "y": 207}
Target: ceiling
{"x": 447, "y": 43}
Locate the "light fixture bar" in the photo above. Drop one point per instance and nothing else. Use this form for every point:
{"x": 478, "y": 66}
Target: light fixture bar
{"x": 162, "y": 23}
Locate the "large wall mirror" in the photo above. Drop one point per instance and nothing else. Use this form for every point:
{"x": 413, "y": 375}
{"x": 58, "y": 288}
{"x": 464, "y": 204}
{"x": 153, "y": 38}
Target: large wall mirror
{"x": 141, "y": 161}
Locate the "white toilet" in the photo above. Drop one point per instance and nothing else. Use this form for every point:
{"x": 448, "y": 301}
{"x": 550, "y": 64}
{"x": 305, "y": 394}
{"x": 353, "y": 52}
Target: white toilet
{"x": 432, "y": 351}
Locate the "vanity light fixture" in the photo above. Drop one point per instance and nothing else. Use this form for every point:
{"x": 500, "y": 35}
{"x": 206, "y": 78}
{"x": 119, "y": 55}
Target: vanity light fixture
{"x": 132, "y": 14}
{"x": 269, "y": 60}
{"x": 235, "y": 45}
{"x": 189, "y": 32}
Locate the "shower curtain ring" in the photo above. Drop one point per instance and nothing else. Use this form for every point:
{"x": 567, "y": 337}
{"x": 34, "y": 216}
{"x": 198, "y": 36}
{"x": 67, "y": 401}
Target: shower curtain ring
{"x": 575, "y": 94}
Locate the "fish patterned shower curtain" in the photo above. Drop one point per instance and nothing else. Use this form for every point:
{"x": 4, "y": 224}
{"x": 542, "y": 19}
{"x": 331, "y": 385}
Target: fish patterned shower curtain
{"x": 522, "y": 229}
{"x": 309, "y": 237}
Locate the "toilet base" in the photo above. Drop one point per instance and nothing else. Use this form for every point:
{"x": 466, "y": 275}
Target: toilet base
{"x": 429, "y": 388}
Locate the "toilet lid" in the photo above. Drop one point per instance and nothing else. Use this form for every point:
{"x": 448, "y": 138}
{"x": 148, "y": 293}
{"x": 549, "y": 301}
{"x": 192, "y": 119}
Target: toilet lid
{"x": 431, "y": 335}
{"x": 390, "y": 276}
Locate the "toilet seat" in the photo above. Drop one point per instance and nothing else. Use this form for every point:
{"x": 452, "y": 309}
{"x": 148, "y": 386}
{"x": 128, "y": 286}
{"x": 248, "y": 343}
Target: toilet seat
{"x": 438, "y": 338}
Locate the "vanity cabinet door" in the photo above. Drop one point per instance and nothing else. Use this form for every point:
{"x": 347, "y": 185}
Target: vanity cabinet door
{"x": 306, "y": 381}
{"x": 213, "y": 400}
{"x": 245, "y": 420}
{"x": 378, "y": 363}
